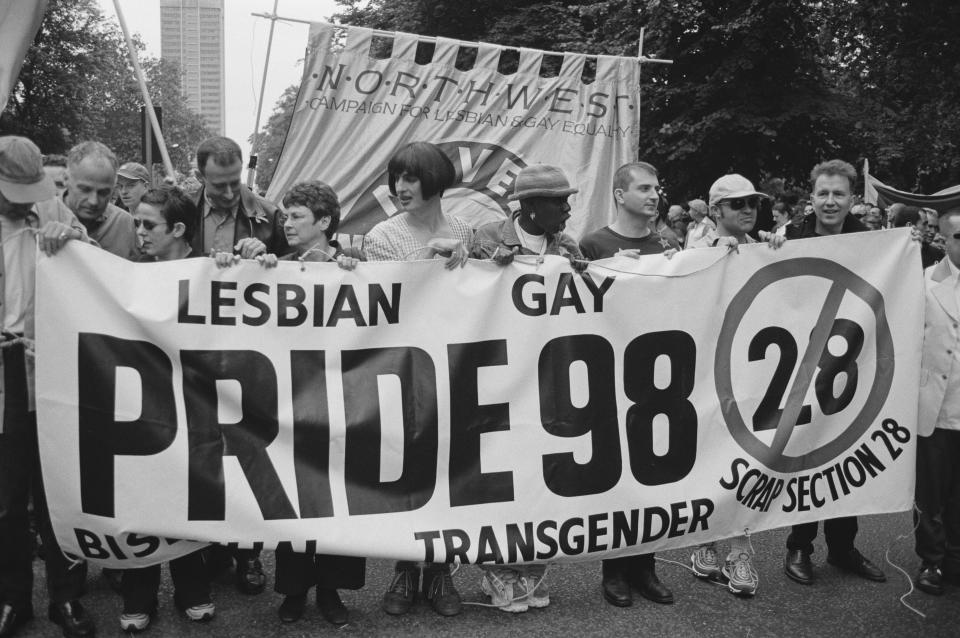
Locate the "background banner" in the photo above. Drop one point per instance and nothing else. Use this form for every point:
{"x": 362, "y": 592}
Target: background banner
{"x": 523, "y": 413}
{"x": 363, "y": 96}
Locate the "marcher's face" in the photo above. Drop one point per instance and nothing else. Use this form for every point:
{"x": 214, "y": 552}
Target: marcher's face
{"x": 131, "y": 191}
{"x": 302, "y": 229}
{"x": 641, "y": 195}
{"x": 738, "y": 215}
{"x": 781, "y": 217}
{"x": 154, "y": 233}
{"x": 410, "y": 192}
{"x": 831, "y": 200}
{"x": 549, "y": 213}
{"x": 221, "y": 184}
{"x": 59, "y": 176}
{"x": 90, "y": 187}
{"x": 10, "y": 210}
{"x": 872, "y": 219}
{"x": 950, "y": 231}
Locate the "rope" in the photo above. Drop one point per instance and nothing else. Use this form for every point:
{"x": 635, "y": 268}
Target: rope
{"x": 886, "y": 555}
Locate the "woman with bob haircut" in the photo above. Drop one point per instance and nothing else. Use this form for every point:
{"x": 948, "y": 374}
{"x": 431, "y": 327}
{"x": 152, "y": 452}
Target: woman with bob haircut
{"x": 419, "y": 173}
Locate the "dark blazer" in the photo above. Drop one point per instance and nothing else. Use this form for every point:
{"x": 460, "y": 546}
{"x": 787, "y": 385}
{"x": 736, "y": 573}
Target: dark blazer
{"x": 256, "y": 217}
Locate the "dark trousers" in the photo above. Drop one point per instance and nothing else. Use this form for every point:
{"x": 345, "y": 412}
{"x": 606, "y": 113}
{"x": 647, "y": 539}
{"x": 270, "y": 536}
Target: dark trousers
{"x": 628, "y": 565}
{"x": 938, "y": 499}
{"x": 838, "y": 532}
{"x": 19, "y": 475}
{"x": 191, "y": 585}
{"x": 297, "y": 572}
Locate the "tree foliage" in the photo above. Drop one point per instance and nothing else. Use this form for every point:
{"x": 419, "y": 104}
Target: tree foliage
{"x": 77, "y": 83}
{"x": 267, "y": 148}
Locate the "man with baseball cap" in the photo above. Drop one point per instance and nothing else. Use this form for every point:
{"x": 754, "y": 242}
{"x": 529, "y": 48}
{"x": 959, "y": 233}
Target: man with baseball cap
{"x": 734, "y": 202}
{"x": 537, "y": 228}
{"x": 30, "y": 218}
{"x": 133, "y": 180}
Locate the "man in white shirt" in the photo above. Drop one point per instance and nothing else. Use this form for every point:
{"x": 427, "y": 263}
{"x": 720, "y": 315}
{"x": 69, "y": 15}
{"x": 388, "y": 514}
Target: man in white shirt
{"x": 938, "y": 425}
{"x": 702, "y": 222}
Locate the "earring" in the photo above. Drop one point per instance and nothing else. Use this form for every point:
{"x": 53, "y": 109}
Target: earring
{"x": 533, "y": 215}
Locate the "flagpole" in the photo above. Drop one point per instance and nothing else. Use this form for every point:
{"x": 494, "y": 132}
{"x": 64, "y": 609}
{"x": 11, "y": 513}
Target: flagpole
{"x": 154, "y": 123}
{"x": 252, "y": 166}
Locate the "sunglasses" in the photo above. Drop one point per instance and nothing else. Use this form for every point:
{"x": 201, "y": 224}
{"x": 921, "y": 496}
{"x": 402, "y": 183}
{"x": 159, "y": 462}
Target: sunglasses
{"x": 742, "y": 202}
{"x": 147, "y": 225}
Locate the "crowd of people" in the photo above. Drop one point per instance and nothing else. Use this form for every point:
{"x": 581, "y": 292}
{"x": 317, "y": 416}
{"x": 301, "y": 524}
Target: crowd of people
{"x": 45, "y": 203}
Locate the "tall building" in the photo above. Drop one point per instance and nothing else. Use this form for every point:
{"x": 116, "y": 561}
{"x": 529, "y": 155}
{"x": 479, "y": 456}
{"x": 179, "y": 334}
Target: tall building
{"x": 191, "y": 34}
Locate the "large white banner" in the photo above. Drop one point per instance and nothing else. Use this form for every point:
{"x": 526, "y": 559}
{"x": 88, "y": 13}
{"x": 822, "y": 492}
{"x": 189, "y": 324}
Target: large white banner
{"x": 355, "y": 110}
{"x": 523, "y": 413}
{"x": 19, "y": 21}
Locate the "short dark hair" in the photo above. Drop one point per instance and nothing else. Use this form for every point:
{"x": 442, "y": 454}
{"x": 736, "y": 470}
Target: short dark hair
{"x": 175, "y": 207}
{"x": 426, "y": 162}
{"x": 223, "y": 150}
{"x": 624, "y": 174}
{"x": 906, "y": 215}
{"x": 320, "y": 198}
{"x": 834, "y": 167}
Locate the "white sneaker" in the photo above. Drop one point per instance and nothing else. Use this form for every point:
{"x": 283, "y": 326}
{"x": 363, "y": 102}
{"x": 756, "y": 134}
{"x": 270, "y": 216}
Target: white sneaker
{"x": 705, "y": 563}
{"x": 200, "y": 613}
{"x": 743, "y": 579}
{"x": 535, "y": 586}
{"x": 503, "y": 586}
{"x": 134, "y": 622}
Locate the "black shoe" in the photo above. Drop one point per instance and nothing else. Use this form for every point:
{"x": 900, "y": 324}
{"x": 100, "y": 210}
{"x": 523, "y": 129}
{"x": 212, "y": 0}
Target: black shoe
{"x": 331, "y": 607}
{"x": 399, "y": 598}
{"x": 12, "y": 618}
{"x": 616, "y": 590}
{"x": 646, "y": 582}
{"x": 250, "y": 578}
{"x": 930, "y": 580}
{"x": 439, "y": 589}
{"x": 114, "y": 578}
{"x": 797, "y": 566}
{"x": 856, "y": 563}
{"x": 291, "y": 609}
{"x": 72, "y": 618}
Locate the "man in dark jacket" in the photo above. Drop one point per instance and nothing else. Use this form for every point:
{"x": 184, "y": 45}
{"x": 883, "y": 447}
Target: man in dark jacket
{"x": 832, "y": 197}
{"x": 233, "y": 219}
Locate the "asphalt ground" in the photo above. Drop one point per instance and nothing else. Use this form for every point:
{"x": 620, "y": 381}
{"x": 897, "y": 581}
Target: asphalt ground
{"x": 837, "y": 605}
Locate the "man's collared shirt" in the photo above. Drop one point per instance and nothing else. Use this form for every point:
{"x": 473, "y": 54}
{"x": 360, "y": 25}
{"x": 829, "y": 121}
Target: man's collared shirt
{"x": 219, "y": 228}
{"x": 19, "y": 257}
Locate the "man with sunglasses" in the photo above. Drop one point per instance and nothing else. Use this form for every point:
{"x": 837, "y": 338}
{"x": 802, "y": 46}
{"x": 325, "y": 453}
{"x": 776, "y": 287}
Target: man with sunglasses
{"x": 832, "y": 198}
{"x": 636, "y": 195}
{"x": 734, "y": 203}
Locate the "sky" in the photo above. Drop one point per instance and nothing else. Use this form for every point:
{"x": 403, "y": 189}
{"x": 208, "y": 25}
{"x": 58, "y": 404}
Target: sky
{"x": 245, "y": 48}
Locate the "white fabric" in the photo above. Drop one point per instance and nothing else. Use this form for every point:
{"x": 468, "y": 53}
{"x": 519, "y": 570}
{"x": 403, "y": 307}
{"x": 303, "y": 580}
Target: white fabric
{"x": 19, "y": 21}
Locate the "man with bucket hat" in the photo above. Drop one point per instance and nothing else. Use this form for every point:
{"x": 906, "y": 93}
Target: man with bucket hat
{"x": 30, "y": 219}
{"x": 537, "y": 228}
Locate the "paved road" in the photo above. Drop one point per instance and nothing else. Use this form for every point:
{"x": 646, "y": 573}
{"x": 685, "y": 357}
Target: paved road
{"x": 838, "y": 605}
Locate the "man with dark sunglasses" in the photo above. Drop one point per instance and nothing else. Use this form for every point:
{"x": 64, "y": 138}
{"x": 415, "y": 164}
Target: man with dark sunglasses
{"x": 734, "y": 203}
{"x": 832, "y": 198}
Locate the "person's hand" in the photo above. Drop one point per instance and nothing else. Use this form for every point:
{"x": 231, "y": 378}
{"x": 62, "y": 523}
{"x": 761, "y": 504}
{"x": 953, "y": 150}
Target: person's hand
{"x": 916, "y": 235}
{"x": 347, "y": 263}
{"x": 503, "y": 256}
{"x": 54, "y": 235}
{"x": 267, "y": 260}
{"x": 225, "y": 260}
{"x": 453, "y": 249}
{"x": 730, "y": 242}
{"x": 670, "y": 252}
{"x": 632, "y": 253}
{"x": 250, "y": 247}
{"x": 579, "y": 265}
{"x": 773, "y": 240}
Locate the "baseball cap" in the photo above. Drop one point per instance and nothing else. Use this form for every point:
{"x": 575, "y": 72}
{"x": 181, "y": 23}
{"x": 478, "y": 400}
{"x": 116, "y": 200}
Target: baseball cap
{"x": 541, "y": 180}
{"x": 133, "y": 170}
{"x": 22, "y": 178}
{"x": 731, "y": 187}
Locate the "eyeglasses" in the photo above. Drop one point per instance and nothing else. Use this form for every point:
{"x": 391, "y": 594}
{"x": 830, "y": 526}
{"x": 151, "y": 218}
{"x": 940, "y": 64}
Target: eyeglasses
{"x": 740, "y": 202}
{"x": 147, "y": 225}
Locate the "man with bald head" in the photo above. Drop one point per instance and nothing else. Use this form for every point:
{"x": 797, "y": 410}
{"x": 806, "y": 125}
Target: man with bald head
{"x": 91, "y": 178}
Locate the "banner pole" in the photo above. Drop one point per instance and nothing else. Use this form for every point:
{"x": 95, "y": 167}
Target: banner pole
{"x": 141, "y": 80}
{"x": 252, "y": 166}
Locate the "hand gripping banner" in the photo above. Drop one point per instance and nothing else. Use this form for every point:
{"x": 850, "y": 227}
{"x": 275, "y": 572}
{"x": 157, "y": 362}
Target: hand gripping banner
{"x": 523, "y": 413}
{"x": 354, "y": 110}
